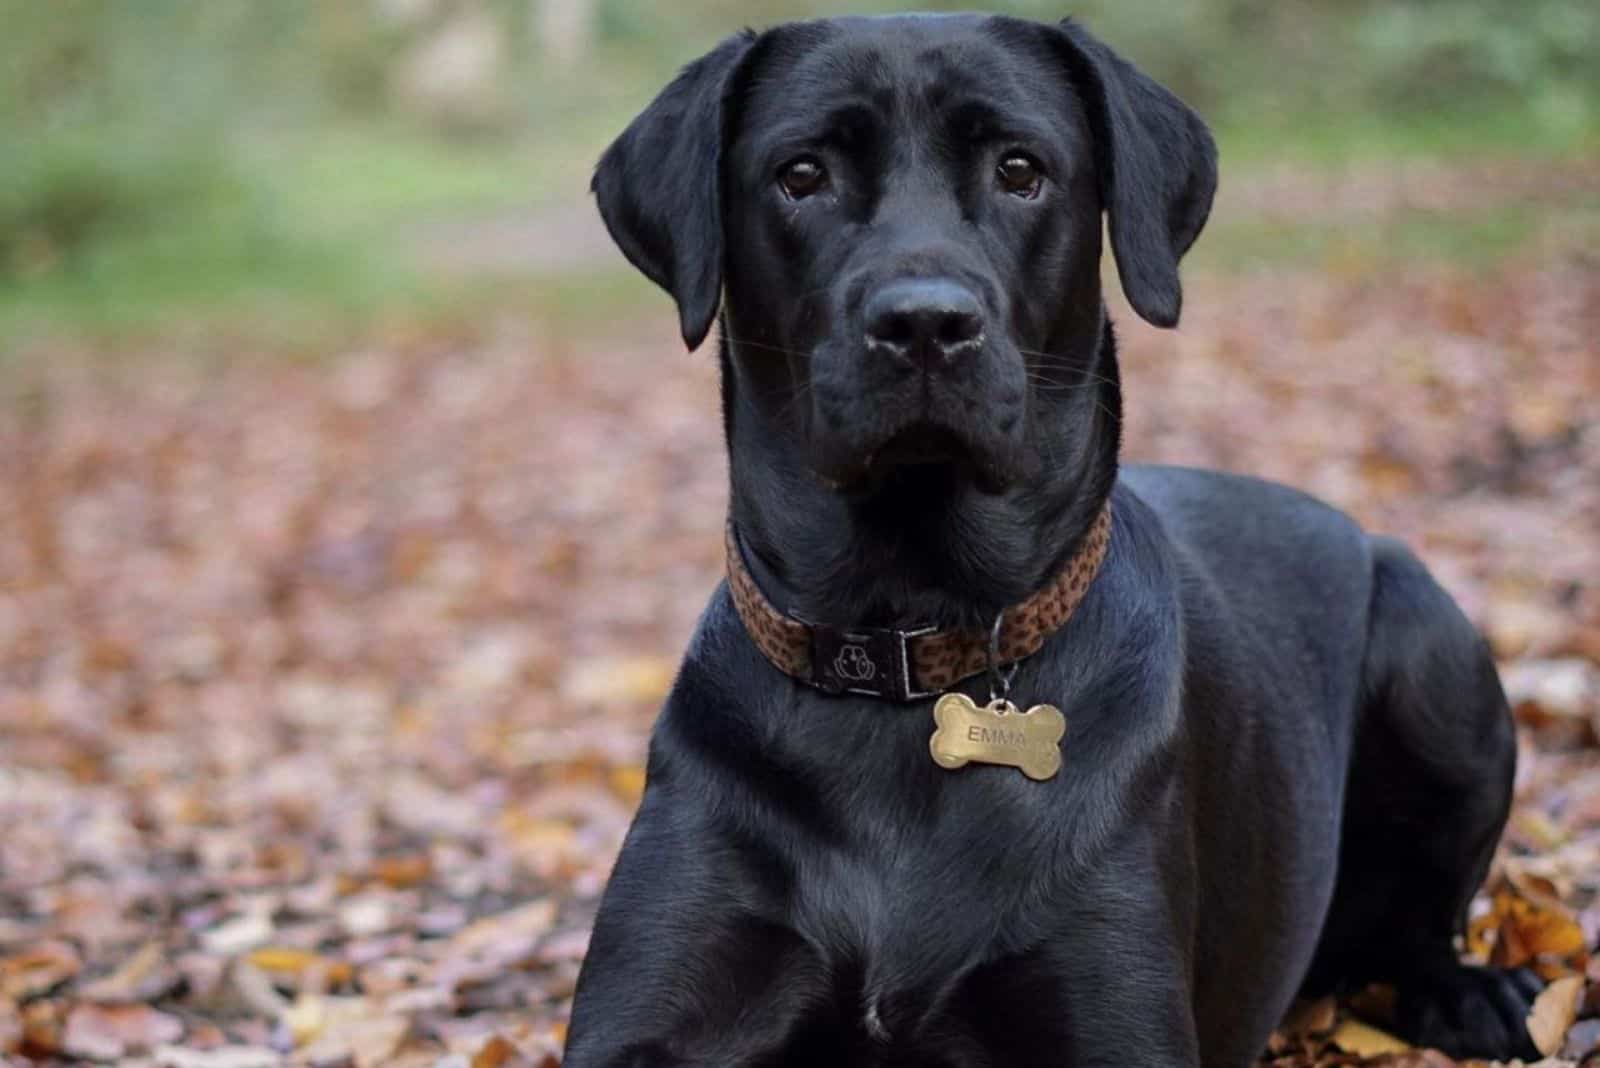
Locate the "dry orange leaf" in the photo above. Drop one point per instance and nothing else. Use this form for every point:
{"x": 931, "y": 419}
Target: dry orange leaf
{"x": 403, "y": 872}
{"x": 37, "y": 969}
{"x": 495, "y": 1053}
{"x": 296, "y": 963}
{"x": 1387, "y": 475}
{"x": 1518, "y": 932}
{"x": 548, "y": 845}
{"x": 41, "y": 1028}
{"x": 628, "y": 783}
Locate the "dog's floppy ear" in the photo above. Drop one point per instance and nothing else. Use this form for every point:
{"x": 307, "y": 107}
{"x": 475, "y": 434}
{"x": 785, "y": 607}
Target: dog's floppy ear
{"x": 659, "y": 187}
{"x": 1158, "y": 171}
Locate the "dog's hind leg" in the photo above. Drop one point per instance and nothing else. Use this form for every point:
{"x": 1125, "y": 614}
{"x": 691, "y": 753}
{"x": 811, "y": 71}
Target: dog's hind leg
{"x": 1428, "y": 795}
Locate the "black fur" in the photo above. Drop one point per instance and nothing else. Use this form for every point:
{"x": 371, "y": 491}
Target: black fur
{"x": 1288, "y": 757}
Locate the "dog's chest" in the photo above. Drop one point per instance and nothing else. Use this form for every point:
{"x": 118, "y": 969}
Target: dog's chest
{"x": 895, "y": 941}
{"x": 923, "y": 895}
{"x": 921, "y": 860}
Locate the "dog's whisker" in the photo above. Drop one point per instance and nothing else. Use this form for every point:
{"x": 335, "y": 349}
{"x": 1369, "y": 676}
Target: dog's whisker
{"x": 800, "y": 393}
{"x": 1084, "y": 372}
{"x": 731, "y": 339}
{"x": 1051, "y": 386}
{"x": 1059, "y": 384}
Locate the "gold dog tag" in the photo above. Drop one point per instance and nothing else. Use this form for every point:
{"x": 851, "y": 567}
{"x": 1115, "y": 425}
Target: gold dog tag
{"x": 997, "y": 734}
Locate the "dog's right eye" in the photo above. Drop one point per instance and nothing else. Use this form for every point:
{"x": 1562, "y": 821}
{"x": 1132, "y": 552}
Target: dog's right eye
{"x": 1020, "y": 176}
{"x": 802, "y": 177}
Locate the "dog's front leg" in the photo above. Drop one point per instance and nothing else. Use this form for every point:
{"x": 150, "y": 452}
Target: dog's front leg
{"x": 1126, "y": 957}
{"x": 684, "y": 968}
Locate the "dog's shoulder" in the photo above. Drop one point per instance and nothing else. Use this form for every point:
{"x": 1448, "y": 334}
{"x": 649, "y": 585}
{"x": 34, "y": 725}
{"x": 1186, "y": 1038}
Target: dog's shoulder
{"x": 1251, "y": 528}
{"x": 1268, "y": 576}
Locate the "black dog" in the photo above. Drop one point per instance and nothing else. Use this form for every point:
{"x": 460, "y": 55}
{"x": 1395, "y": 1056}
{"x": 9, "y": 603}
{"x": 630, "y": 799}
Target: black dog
{"x": 1287, "y": 755}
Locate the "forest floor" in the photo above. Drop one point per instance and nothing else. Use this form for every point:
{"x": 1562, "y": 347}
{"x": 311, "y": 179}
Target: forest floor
{"x": 325, "y": 685}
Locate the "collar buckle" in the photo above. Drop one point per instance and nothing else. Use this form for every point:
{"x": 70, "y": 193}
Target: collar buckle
{"x": 875, "y": 661}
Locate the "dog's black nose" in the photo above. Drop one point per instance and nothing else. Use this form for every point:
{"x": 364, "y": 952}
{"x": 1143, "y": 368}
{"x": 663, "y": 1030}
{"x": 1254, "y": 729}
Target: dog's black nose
{"x": 923, "y": 321}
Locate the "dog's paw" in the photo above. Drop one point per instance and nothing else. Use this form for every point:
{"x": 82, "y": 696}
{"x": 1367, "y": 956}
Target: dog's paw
{"x": 1473, "y": 1012}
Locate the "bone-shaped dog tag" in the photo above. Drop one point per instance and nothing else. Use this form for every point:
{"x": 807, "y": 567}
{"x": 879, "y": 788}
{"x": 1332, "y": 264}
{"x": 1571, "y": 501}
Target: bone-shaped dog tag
{"x": 997, "y": 734}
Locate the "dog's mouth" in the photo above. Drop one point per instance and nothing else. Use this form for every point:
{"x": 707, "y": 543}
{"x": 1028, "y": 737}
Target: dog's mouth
{"x": 920, "y": 444}
{"x": 922, "y": 449}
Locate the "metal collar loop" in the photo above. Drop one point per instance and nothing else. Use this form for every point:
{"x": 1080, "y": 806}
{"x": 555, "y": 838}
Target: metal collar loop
{"x": 999, "y": 677}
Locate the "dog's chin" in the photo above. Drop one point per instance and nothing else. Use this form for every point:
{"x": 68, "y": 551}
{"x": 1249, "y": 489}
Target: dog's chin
{"x": 922, "y": 454}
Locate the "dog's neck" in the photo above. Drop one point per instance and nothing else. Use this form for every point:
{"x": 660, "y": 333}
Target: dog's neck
{"x": 926, "y": 547}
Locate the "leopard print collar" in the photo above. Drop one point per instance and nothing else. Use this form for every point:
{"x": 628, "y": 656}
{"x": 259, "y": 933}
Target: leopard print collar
{"x": 908, "y": 665}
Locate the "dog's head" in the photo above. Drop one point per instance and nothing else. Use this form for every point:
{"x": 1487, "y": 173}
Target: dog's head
{"x": 905, "y": 213}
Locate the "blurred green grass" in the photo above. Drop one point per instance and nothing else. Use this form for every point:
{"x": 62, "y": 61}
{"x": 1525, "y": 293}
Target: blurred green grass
{"x": 261, "y": 171}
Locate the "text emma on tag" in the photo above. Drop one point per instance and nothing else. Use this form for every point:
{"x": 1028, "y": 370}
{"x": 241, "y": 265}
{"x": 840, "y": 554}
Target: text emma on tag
{"x": 995, "y": 735}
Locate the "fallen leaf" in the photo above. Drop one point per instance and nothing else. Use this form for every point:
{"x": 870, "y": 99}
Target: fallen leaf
{"x": 244, "y": 988}
{"x": 240, "y": 934}
{"x": 42, "y": 1025}
{"x": 145, "y": 976}
{"x": 628, "y": 782}
{"x": 1554, "y": 1011}
{"x": 306, "y": 1018}
{"x": 1364, "y": 1040}
{"x": 1539, "y": 828}
{"x": 367, "y": 914}
{"x": 1317, "y": 1017}
{"x": 1537, "y": 887}
{"x": 110, "y": 1032}
{"x": 623, "y": 679}
{"x": 403, "y": 872}
{"x": 298, "y": 967}
{"x": 548, "y": 845}
{"x": 1518, "y": 932}
{"x": 368, "y": 1041}
{"x": 569, "y": 945}
{"x": 1566, "y": 688}
{"x": 497, "y": 1052}
{"x": 1419, "y": 1058}
{"x": 1387, "y": 475}
{"x": 10, "y": 1025}
{"x": 518, "y": 925}
{"x": 38, "y": 970}
{"x": 222, "y": 1057}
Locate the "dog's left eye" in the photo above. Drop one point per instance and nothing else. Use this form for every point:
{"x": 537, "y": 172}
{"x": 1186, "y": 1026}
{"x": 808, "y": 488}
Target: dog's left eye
{"x": 802, "y": 177}
{"x": 1020, "y": 176}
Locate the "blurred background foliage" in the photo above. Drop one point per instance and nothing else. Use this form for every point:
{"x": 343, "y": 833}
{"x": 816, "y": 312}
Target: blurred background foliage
{"x": 277, "y": 166}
